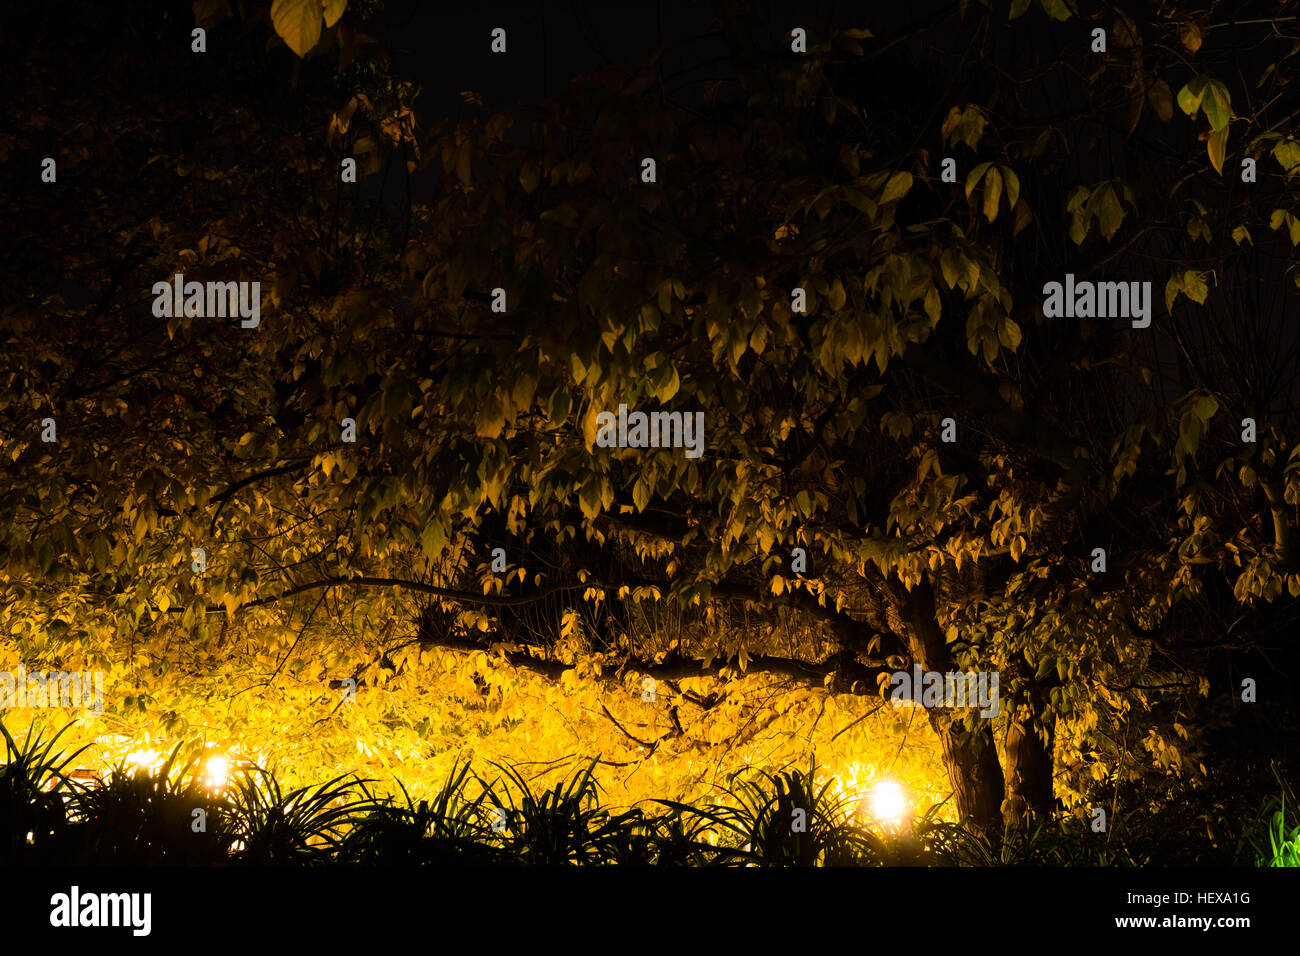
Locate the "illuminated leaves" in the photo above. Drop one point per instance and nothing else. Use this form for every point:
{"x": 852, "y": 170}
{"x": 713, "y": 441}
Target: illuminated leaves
{"x": 964, "y": 125}
{"x": 333, "y": 10}
{"x": 1056, "y": 9}
{"x": 1287, "y": 153}
{"x": 1193, "y": 94}
{"x": 1284, "y": 217}
{"x": 897, "y": 187}
{"x": 1212, "y": 98}
{"x": 1191, "y": 283}
{"x": 299, "y": 22}
{"x": 1100, "y": 203}
{"x": 995, "y": 179}
{"x": 1162, "y": 100}
{"x": 1215, "y": 146}
{"x": 1198, "y": 410}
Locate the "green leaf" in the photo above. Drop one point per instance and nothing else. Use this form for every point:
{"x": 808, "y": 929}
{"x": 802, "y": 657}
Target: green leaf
{"x": 1190, "y": 96}
{"x": 298, "y": 23}
{"x": 1217, "y": 104}
{"x": 1287, "y": 153}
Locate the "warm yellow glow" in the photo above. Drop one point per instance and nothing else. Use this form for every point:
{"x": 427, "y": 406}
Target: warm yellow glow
{"x": 888, "y": 803}
{"x": 147, "y": 759}
{"x": 218, "y": 771}
{"x": 855, "y": 748}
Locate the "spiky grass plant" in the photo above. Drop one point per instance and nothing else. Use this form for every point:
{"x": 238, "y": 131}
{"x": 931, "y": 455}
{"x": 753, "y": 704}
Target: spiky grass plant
{"x": 783, "y": 819}
{"x": 139, "y": 816}
{"x": 1273, "y": 837}
{"x": 306, "y": 825}
{"x": 33, "y": 786}
{"x": 445, "y": 831}
{"x": 562, "y": 826}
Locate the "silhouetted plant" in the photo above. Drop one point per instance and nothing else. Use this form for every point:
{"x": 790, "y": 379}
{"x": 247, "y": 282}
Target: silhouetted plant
{"x": 306, "y": 825}
{"x": 143, "y": 817}
{"x": 444, "y": 831}
{"x": 33, "y": 788}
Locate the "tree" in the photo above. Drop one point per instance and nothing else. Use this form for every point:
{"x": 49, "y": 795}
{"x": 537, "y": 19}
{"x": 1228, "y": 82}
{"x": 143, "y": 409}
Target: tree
{"x": 549, "y": 282}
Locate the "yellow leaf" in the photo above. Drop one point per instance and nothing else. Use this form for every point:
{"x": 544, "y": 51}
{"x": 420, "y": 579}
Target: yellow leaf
{"x": 1194, "y": 286}
{"x": 1056, "y": 9}
{"x": 333, "y": 10}
{"x": 529, "y": 176}
{"x": 298, "y": 23}
{"x": 1126, "y": 31}
{"x": 1287, "y": 153}
{"x": 1190, "y": 35}
{"x": 1162, "y": 100}
{"x": 1216, "y": 146}
{"x": 1110, "y": 214}
{"x": 1012, "y": 182}
{"x": 1009, "y": 333}
{"x": 1172, "y": 288}
{"x": 950, "y": 122}
{"x": 932, "y": 306}
{"x": 897, "y": 187}
{"x": 973, "y": 179}
{"x": 837, "y": 295}
{"x": 992, "y": 193}
{"x": 590, "y": 427}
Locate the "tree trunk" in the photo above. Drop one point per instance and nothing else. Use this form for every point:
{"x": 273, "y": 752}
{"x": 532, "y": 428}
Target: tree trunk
{"x": 970, "y": 757}
{"x": 1031, "y": 735}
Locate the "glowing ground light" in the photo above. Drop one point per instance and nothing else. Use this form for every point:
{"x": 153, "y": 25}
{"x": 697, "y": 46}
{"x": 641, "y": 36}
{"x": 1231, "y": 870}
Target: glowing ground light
{"x": 218, "y": 771}
{"x": 146, "y": 759}
{"x": 888, "y": 803}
